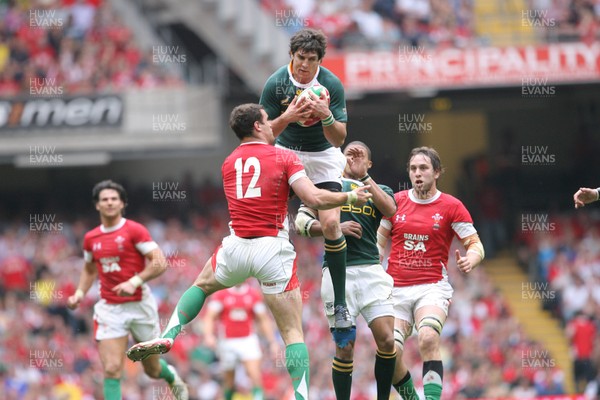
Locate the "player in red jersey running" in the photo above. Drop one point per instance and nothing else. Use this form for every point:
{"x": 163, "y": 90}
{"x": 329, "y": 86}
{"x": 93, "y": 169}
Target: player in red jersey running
{"x": 257, "y": 177}
{"x": 422, "y": 230}
{"x": 232, "y": 312}
{"x": 121, "y": 253}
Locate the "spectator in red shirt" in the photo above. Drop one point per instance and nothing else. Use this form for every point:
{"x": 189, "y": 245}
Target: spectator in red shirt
{"x": 582, "y": 332}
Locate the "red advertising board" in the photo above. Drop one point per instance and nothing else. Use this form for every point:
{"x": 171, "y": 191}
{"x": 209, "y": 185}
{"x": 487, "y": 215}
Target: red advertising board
{"x": 452, "y": 68}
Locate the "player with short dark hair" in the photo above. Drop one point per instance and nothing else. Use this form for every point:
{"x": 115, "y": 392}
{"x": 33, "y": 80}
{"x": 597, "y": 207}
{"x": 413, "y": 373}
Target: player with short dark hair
{"x": 421, "y": 232}
{"x": 316, "y": 145}
{"x": 123, "y": 256}
{"x": 368, "y": 286}
{"x": 257, "y": 178}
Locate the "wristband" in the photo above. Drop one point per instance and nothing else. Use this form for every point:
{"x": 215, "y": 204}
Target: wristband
{"x": 352, "y": 197}
{"x": 79, "y": 294}
{"x": 136, "y": 281}
{"x": 364, "y": 178}
{"x": 328, "y": 121}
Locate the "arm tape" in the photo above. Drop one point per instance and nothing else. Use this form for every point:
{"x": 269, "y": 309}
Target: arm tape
{"x": 474, "y": 245}
{"x": 136, "y": 281}
{"x": 304, "y": 220}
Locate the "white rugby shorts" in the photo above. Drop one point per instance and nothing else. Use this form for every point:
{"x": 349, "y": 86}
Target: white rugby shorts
{"x": 271, "y": 260}
{"x": 322, "y": 166}
{"x": 368, "y": 293}
{"x": 140, "y": 318}
{"x": 233, "y": 350}
{"x": 408, "y": 299}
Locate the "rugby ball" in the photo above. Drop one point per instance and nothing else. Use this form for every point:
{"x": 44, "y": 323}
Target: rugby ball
{"x": 316, "y": 90}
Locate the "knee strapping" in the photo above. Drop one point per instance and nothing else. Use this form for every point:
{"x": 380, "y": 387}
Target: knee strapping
{"x": 399, "y": 338}
{"x": 433, "y": 322}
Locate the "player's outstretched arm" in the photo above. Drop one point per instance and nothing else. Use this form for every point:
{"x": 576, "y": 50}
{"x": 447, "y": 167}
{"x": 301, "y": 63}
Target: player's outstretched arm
{"x": 86, "y": 279}
{"x": 585, "y": 196}
{"x": 321, "y": 199}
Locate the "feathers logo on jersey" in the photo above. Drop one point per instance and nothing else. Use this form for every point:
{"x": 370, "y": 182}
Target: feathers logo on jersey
{"x": 119, "y": 240}
{"x": 437, "y": 218}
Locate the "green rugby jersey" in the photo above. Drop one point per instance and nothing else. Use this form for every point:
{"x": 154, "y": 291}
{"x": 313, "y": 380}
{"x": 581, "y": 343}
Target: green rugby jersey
{"x": 278, "y": 93}
{"x": 362, "y": 251}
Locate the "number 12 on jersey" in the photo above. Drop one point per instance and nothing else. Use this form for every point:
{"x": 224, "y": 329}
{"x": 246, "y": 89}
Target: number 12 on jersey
{"x": 244, "y": 167}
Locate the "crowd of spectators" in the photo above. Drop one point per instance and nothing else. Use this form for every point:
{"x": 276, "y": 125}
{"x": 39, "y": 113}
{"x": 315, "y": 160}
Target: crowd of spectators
{"x": 58, "y": 47}
{"x": 564, "y": 258}
{"x": 391, "y": 24}
{"x": 46, "y": 350}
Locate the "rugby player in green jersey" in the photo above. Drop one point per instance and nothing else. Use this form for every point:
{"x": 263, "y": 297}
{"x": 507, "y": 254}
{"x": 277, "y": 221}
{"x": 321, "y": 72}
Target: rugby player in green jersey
{"x": 318, "y": 145}
{"x": 368, "y": 286}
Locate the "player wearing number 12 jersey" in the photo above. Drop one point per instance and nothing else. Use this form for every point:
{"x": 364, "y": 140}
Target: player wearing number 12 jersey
{"x": 257, "y": 178}
{"x": 422, "y": 230}
{"x": 123, "y": 255}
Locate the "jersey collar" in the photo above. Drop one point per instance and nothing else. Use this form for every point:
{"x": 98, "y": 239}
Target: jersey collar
{"x": 257, "y": 142}
{"x": 413, "y": 198}
{"x": 118, "y": 226}
{"x": 303, "y": 85}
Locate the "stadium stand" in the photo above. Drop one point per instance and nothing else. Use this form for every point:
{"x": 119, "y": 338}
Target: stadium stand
{"x": 72, "y": 47}
{"x": 389, "y": 24}
{"x": 564, "y": 262}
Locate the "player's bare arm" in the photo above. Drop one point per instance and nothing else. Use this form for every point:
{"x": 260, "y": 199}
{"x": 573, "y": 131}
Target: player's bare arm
{"x": 86, "y": 280}
{"x": 156, "y": 265}
{"x": 383, "y": 235}
{"x": 296, "y": 111}
{"x": 474, "y": 255}
{"x": 585, "y": 196}
{"x": 208, "y": 328}
{"x": 324, "y": 199}
{"x": 356, "y": 156}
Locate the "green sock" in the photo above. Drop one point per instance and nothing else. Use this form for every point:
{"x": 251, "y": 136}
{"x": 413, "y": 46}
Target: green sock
{"x": 385, "y": 364}
{"x": 406, "y": 388}
{"x": 112, "y": 389}
{"x": 335, "y": 255}
{"x": 341, "y": 374}
{"x": 188, "y": 307}
{"x": 257, "y": 393}
{"x": 165, "y": 372}
{"x": 433, "y": 373}
{"x": 228, "y": 394}
{"x": 297, "y": 363}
